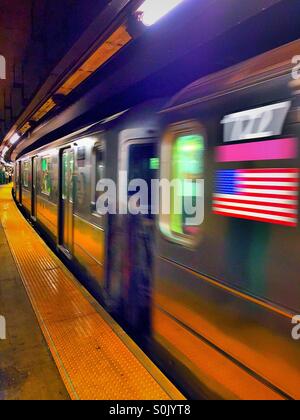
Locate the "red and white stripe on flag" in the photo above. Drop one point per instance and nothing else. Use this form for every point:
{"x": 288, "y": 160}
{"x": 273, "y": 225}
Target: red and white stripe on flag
{"x": 266, "y": 195}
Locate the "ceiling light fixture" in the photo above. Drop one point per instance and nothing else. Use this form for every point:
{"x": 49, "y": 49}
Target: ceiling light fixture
{"x": 151, "y": 11}
{"x": 14, "y": 138}
{"x": 4, "y": 151}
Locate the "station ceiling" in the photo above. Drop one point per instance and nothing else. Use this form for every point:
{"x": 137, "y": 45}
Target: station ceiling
{"x": 34, "y": 36}
{"x": 15, "y": 29}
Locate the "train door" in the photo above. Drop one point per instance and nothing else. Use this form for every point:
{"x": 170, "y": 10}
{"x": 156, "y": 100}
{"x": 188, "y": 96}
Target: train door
{"x": 16, "y": 181}
{"x": 141, "y": 163}
{"x": 34, "y": 187}
{"x": 19, "y": 197}
{"x": 66, "y": 200}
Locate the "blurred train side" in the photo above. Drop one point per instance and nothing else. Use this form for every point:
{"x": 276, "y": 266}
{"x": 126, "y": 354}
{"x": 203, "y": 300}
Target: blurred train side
{"x": 91, "y": 237}
{"x": 235, "y": 290}
{"x": 223, "y": 296}
{"x": 43, "y": 205}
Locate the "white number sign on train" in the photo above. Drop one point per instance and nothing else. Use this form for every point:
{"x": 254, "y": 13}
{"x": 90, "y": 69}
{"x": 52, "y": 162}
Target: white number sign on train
{"x": 266, "y": 121}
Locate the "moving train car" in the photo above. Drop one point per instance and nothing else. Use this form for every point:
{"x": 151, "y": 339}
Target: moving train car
{"x": 57, "y": 188}
{"x": 218, "y": 298}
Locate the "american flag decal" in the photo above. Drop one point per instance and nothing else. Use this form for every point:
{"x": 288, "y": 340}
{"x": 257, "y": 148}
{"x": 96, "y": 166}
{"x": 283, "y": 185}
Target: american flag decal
{"x": 265, "y": 195}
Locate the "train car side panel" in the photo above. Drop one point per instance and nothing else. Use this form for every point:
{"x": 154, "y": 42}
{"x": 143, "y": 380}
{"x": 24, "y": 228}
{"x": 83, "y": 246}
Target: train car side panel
{"x": 226, "y": 282}
{"x": 26, "y": 185}
{"x": 47, "y": 193}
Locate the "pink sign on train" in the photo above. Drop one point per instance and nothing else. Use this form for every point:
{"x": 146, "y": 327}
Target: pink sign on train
{"x": 260, "y": 150}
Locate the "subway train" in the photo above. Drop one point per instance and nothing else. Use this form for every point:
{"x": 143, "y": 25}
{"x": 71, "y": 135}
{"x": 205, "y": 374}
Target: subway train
{"x": 216, "y": 300}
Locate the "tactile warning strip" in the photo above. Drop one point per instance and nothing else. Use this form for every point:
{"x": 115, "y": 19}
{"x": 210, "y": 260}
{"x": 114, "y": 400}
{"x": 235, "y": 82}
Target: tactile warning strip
{"x": 96, "y": 359}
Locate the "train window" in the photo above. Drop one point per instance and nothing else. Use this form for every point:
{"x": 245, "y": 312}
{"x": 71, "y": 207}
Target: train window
{"x": 183, "y": 164}
{"x": 187, "y": 167}
{"x": 46, "y": 176}
{"x": 26, "y": 174}
{"x": 65, "y": 177}
{"x": 99, "y": 171}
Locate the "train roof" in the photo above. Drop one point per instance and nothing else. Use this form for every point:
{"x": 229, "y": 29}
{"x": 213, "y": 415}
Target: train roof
{"x": 263, "y": 67}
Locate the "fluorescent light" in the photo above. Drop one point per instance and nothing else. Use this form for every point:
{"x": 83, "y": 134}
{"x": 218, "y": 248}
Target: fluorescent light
{"x": 14, "y": 138}
{"x": 4, "y": 151}
{"x": 153, "y": 10}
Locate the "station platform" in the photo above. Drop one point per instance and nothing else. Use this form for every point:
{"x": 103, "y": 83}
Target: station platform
{"x": 84, "y": 354}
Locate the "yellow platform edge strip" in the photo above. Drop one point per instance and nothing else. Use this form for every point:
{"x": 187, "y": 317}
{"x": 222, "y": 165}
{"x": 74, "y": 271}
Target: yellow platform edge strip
{"x": 96, "y": 359}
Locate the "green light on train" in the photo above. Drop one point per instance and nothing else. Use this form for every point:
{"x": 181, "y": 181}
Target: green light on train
{"x": 154, "y": 164}
{"x": 44, "y": 165}
{"x": 187, "y": 166}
